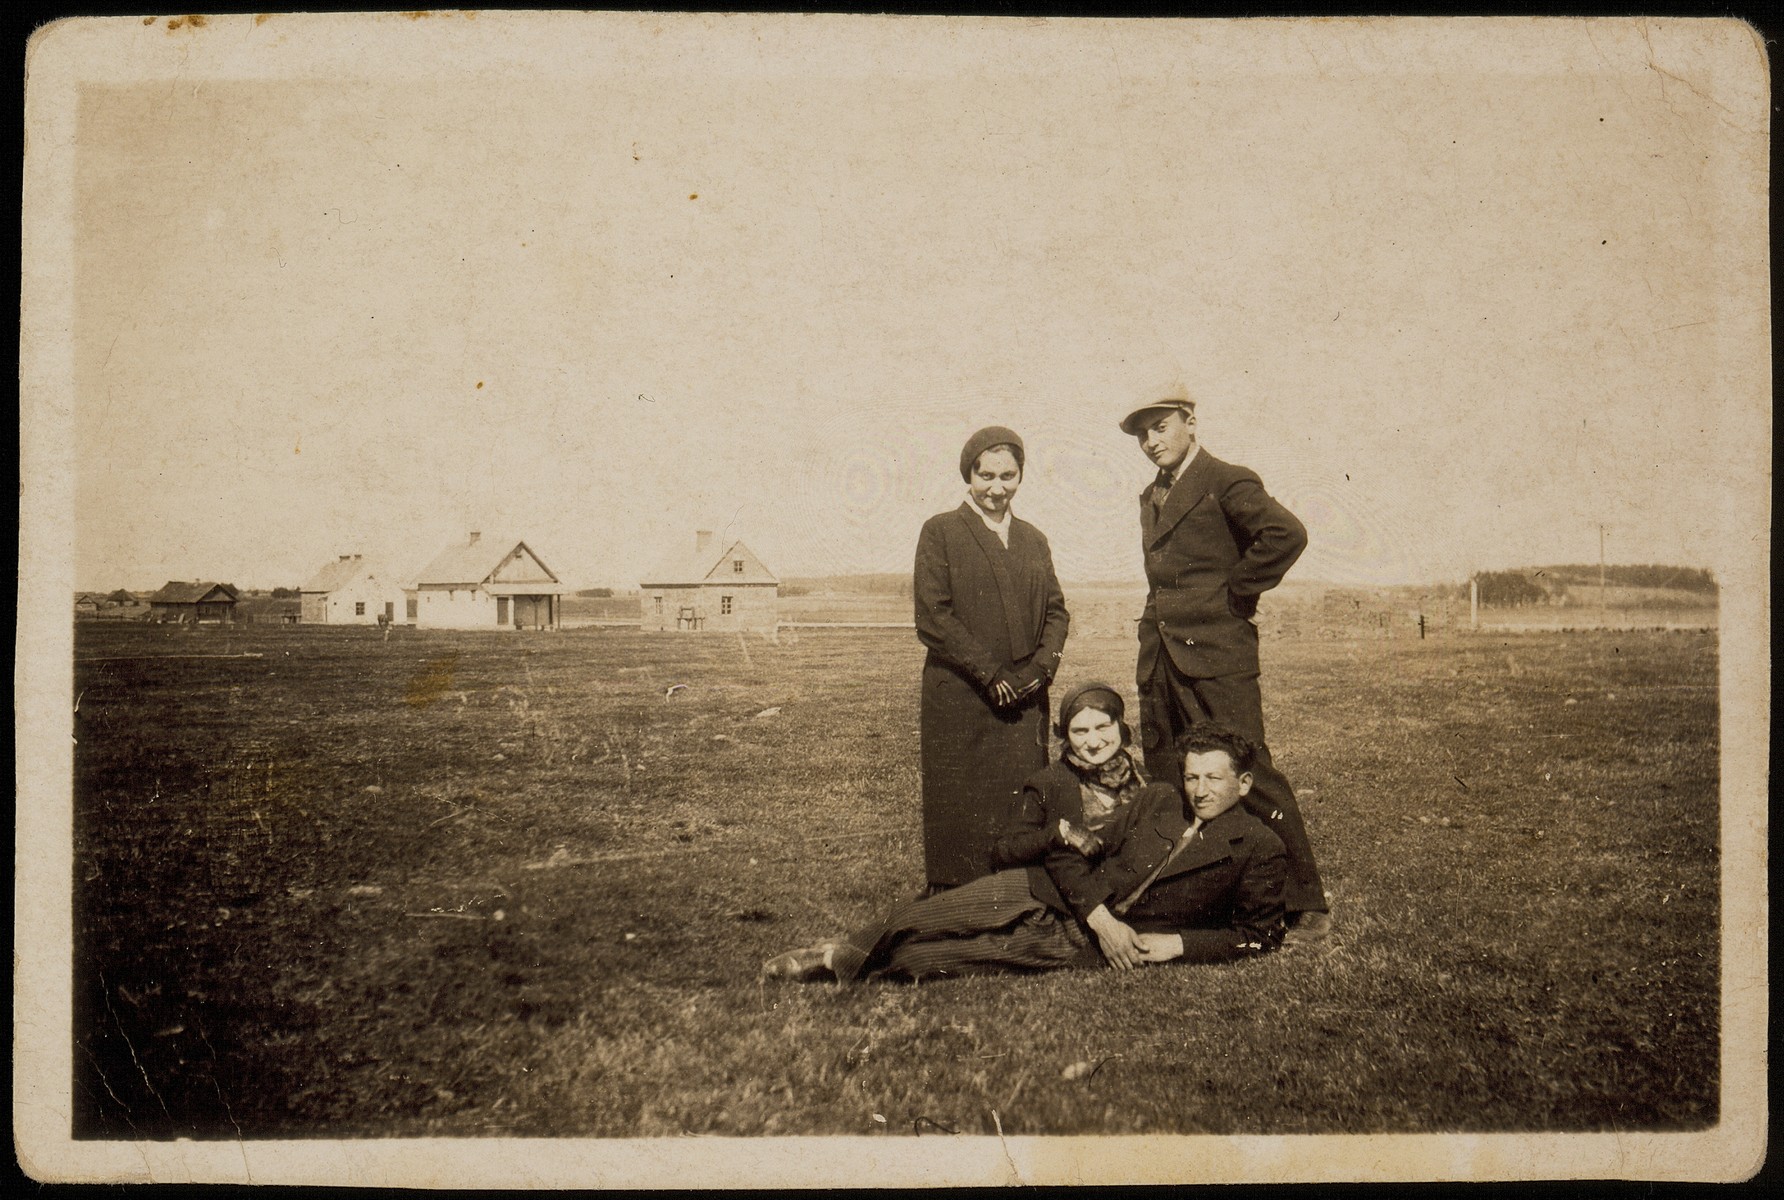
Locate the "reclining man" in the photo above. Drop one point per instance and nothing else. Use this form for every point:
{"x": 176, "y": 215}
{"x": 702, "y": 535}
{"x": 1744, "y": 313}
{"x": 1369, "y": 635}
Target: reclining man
{"x": 1204, "y": 885}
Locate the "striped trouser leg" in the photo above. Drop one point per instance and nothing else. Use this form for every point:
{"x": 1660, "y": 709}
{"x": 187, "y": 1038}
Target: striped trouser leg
{"x": 987, "y": 903}
{"x": 1040, "y": 940}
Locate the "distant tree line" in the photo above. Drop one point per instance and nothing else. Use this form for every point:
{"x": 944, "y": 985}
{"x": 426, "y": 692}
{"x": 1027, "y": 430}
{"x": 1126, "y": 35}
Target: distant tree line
{"x": 1538, "y": 585}
{"x": 1685, "y": 579}
{"x": 1508, "y": 588}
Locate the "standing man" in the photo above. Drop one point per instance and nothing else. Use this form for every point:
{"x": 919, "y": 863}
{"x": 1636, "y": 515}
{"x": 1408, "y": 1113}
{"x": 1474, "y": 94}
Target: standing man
{"x": 1214, "y": 541}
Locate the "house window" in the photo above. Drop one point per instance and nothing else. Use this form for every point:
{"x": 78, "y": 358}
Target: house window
{"x": 737, "y": 566}
{"x": 725, "y": 606}
{"x": 359, "y": 608}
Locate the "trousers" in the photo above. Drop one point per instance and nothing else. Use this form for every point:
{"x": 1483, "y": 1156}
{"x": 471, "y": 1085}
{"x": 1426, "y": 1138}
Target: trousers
{"x": 993, "y": 923}
{"x": 1170, "y": 702}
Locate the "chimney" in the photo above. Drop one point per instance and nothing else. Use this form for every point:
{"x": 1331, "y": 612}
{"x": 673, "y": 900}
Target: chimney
{"x": 702, "y": 539}
{"x": 474, "y": 536}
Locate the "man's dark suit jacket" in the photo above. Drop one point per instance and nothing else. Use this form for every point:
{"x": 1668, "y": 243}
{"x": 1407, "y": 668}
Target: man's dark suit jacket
{"x": 1224, "y": 894}
{"x": 1219, "y": 542}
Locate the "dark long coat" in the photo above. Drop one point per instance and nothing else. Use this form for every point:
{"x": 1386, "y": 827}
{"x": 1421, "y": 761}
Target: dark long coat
{"x": 980, "y": 608}
{"x": 1027, "y": 838}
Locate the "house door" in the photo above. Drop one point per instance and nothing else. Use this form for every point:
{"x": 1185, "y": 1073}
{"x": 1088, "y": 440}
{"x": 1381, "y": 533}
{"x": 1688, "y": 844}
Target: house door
{"x": 501, "y": 610}
{"x": 390, "y": 610}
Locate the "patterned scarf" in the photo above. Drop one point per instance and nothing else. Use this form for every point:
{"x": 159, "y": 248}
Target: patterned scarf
{"x": 1111, "y": 775}
{"x": 1106, "y": 787}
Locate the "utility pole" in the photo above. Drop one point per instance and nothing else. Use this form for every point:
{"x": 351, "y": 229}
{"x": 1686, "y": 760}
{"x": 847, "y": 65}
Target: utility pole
{"x": 1603, "y": 608}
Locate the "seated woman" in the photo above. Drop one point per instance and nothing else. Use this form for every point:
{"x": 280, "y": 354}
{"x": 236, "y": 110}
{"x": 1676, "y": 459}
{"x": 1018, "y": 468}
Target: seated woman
{"x": 1069, "y": 804}
{"x": 1069, "y": 815}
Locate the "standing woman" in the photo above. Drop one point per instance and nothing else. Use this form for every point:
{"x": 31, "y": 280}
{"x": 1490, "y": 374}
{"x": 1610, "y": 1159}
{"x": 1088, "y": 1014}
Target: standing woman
{"x": 989, "y": 608}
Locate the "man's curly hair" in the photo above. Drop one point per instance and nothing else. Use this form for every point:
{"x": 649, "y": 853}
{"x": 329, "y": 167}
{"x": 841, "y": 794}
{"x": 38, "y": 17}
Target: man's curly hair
{"x": 1209, "y": 736}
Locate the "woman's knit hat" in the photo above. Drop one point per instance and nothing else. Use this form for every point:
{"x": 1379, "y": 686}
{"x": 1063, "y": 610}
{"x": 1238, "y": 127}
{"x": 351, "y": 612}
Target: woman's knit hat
{"x": 985, "y": 439}
{"x": 1099, "y": 696}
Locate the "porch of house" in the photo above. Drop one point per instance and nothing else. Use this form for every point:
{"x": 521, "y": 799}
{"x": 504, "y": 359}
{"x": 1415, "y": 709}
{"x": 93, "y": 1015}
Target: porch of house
{"x": 528, "y": 610}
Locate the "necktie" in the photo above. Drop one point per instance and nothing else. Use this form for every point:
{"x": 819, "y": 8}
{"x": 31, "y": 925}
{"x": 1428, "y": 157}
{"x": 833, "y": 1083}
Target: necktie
{"x": 1177, "y": 847}
{"x": 1161, "y": 487}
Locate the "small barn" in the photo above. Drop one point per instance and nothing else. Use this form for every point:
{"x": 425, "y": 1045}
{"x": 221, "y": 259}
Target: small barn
{"x": 721, "y": 585}
{"x": 197, "y": 603}
{"x": 350, "y": 591}
{"x": 478, "y": 584}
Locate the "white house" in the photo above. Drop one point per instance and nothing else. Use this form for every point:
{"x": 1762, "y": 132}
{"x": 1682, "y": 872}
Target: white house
{"x": 349, "y": 591}
{"x": 722, "y": 585}
{"x": 476, "y": 584}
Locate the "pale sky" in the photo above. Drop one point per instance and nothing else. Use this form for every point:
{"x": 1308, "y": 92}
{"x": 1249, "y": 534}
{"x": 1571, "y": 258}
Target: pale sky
{"x": 1456, "y": 306}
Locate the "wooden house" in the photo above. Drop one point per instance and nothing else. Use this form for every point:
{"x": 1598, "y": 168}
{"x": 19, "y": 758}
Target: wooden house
{"x": 196, "y": 603}
{"x": 476, "y": 584}
{"x": 720, "y": 586}
{"x": 350, "y": 591}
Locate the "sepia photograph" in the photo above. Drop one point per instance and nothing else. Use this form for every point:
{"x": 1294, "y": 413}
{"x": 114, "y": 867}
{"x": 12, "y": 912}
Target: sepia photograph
{"x": 774, "y": 600}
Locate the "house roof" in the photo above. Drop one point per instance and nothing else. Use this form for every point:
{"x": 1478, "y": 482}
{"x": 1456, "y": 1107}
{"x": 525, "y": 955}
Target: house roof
{"x": 682, "y": 570}
{"x": 336, "y": 574}
{"x": 473, "y": 562}
{"x": 177, "y": 591}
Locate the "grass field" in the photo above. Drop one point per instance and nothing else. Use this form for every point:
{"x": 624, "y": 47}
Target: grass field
{"x": 477, "y": 884}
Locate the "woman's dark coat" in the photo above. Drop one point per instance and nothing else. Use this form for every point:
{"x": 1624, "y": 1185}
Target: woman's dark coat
{"x": 981, "y": 609}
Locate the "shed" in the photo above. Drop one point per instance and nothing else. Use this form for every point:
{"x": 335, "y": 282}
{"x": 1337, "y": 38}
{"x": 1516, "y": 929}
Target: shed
{"x": 200, "y": 602}
{"x": 721, "y": 585}
{"x": 349, "y": 591}
{"x": 476, "y": 584}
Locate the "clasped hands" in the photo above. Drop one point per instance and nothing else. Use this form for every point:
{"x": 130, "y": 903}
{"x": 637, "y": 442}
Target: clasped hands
{"x": 1010, "y": 688}
{"x": 1125, "y": 949}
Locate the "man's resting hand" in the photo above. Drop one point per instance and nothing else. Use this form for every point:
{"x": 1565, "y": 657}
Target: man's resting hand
{"x": 1159, "y": 947}
{"x": 1117, "y": 940}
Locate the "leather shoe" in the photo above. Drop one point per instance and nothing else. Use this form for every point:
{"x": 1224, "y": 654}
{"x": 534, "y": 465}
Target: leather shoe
{"x": 805, "y": 965}
{"x": 1306, "y": 928}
